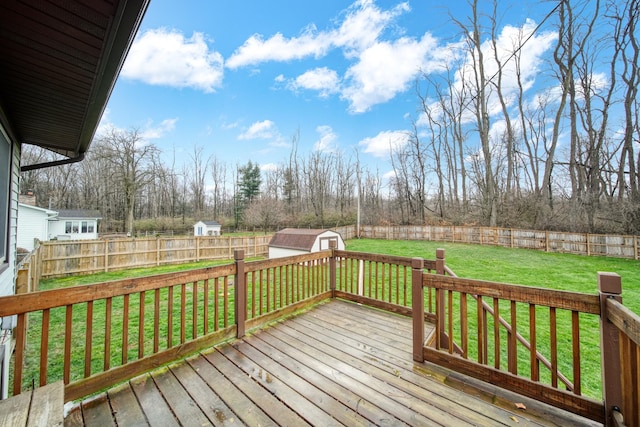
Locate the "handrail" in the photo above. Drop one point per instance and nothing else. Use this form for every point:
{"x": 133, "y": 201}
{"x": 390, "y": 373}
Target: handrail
{"x": 153, "y": 320}
{"x": 572, "y": 302}
{"x": 521, "y": 339}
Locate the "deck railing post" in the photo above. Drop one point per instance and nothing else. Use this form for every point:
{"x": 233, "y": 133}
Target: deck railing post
{"x": 610, "y": 286}
{"x": 240, "y": 292}
{"x": 332, "y": 268}
{"x": 440, "y": 313}
{"x": 417, "y": 308}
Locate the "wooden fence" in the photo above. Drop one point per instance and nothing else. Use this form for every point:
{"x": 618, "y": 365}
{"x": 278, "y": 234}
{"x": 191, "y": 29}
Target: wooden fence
{"x": 56, "y": 258}
{"x": 623, "y": 246}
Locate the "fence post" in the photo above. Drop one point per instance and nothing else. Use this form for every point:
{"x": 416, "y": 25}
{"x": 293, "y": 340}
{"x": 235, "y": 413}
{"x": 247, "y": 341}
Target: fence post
{"x": 240, "y": 292}
{"x": 332, "y": 268}
{"x": 610, "y": 286}
{"x": 440, "y": 314}
{"x": 417, "y": 308}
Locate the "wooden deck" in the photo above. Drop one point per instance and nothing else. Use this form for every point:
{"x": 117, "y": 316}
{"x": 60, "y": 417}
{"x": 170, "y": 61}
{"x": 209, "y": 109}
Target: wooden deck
{"x": 337, "y": 364}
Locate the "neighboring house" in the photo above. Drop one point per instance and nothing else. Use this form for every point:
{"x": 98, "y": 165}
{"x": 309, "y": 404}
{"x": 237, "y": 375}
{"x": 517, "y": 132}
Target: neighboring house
{"x": 33, "y": 224}
{"x": 206, "y": 228}
{"x": 297, "y": 241}
{"x": 58, "y": 65}
{"x": 74, "y": 224}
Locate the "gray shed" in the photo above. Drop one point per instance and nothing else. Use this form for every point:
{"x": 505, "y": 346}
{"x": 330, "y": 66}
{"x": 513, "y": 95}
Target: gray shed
{"x": 298, "y": 241}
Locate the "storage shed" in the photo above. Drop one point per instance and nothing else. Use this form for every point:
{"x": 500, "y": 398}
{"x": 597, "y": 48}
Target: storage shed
{"x": 207, "y": 228}
{"x": 298, "y": 241}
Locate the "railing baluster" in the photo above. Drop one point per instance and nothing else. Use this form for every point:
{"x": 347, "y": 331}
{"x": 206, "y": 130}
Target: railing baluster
{"x": 21, "y": 338}
{"x": 226, "y": 302}
{"x": 156, "y": 320}
{"x": 68, "y": 331}
{"x": 533, "y": 352}
{"x": 170, "y": 317}
{"x": 141, "y": 307}
{"x": 108, "y": 311}
{"x": 88, "y": 340}
{"x": 261, "y": 291}
{"x": 125, "y": 329}
{"x": 251, "y": 277}
{"x": 205, "y": 306}
{"x": 44, "y": 346}
{"x": 439, "y": 320}
{"x": 554, "y": 346}
{"x": 513, "y": 342}
{"x": 183, "y": 313}
{"x": 496, "y": 333}
{"x": 575, "y": 338}
{"x": 382, "y": 264}
{"x": 464, "y": 324}
{"x": 450, "y": 319}
{"x": 194, "y": 310}
{"x": 268, "y": 291}
{"x": 281, "y": 281}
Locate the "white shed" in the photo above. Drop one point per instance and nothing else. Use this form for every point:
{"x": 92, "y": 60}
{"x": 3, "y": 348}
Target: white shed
{"x": 207, "y": 228}
{"x": 298, "y": 241}
{"x": 33, "y": 224}
{"x": 75, "y": 224}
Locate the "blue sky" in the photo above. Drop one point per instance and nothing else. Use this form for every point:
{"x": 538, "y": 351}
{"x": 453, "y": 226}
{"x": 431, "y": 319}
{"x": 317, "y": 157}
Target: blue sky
{"x": 240, "y": 78}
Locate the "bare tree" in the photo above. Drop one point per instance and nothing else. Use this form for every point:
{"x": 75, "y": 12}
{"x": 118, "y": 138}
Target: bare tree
{"x": 128, "y": 157}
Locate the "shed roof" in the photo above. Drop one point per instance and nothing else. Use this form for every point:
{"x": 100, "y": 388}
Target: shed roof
{"x": 296, "y": 238}
{"x": 58, "y": 64}
{"x": 211, "y": 223}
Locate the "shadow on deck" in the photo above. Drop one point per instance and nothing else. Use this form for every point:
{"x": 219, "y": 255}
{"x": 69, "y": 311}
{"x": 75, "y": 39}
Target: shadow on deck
{"x": 337, "y": 364}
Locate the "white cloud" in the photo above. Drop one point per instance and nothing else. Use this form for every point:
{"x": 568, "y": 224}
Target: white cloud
{"x": 382, "y": 144}
{"x": 323, "y": 80}
{"x": 149, "y": 132}
{"x": 266, "y": 167}
{"x": 386, "y": 69}
{"x": 166, "y": 57}
{"x": 327, "y": 141}
{"x": 155, "y": 132}
{"x": 362, "y": 25}
{"x": 279, "y": 48}
{"x": 265, "y": 129}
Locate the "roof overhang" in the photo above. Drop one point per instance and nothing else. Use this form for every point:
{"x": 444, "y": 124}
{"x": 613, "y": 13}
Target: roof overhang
{"x": 58, "y": 65}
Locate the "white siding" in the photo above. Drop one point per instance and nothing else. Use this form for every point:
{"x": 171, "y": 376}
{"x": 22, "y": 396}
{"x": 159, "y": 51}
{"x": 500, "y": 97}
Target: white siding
{"x": 57, "y": 230}
{"x": 33, "y": 223}
{"x": 282, "y": 252}
{"x": 7, "y": 277}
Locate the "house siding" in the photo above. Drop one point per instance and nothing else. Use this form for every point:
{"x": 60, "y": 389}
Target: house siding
{"x": 57, "y": 229}
{"x": 7, "y": 277}
{"x": 33, "y": 224}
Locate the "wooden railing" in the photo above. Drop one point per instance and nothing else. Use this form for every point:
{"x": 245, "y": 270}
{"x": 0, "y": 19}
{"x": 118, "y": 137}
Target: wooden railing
{"x": 620, "y": 342}
{"x": 103, "y": 334}
{"x": 480, "y": 343}
{"x": 382, "y": 281}
{"x": 94, "y": 336}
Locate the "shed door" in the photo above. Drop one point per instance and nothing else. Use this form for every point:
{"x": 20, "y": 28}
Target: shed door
{"x": 324, "y": 242}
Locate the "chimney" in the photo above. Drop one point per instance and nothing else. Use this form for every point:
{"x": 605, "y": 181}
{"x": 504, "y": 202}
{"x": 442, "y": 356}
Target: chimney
{"x": 27, "y": 198}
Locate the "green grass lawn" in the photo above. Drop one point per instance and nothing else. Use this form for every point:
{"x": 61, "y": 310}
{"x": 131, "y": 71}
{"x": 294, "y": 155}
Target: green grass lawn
{"x": 518, "y": 266}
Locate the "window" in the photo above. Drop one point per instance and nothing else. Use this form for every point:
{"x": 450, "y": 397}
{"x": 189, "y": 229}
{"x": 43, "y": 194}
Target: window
{"x": 67, "y": 227}
{"x": 84, "y": 226}
{"x": 5, "y": 195}
{"x": 90, "y": 228}
{"x": 75, "y": 227}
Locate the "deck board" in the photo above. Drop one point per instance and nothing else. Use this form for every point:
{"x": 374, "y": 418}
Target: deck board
{"x": 337, "y": 364}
